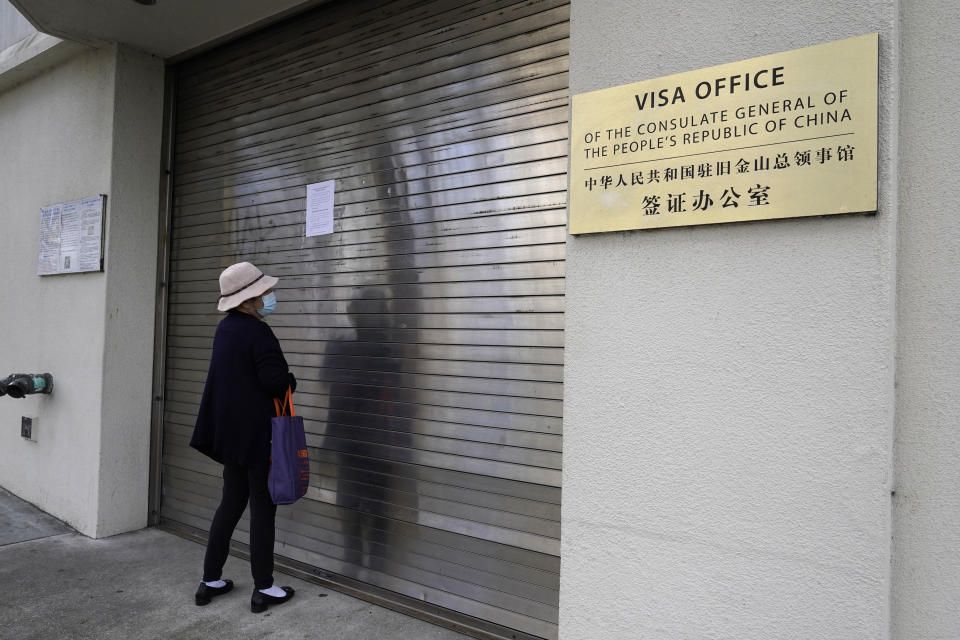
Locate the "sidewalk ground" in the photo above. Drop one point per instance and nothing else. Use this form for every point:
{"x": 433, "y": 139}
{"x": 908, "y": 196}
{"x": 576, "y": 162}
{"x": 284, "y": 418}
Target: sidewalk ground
{"x": 56, "y": 583}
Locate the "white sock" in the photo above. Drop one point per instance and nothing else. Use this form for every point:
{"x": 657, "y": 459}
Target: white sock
{"x": 274, "y": 591}
{"x": 216, "y": 584}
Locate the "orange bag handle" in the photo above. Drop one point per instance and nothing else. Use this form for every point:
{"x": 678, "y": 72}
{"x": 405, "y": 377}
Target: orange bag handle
{"x": 287, "y": 401}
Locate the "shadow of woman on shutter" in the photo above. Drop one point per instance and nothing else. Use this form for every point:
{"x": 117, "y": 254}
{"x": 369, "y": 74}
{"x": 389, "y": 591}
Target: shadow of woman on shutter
{"x": 368, "y": 428}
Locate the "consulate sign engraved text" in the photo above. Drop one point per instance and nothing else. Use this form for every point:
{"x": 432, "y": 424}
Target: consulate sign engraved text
{"x": 786, "y": 135}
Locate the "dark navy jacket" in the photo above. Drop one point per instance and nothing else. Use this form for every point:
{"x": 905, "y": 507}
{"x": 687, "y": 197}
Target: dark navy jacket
{"x": 247, "y": 370}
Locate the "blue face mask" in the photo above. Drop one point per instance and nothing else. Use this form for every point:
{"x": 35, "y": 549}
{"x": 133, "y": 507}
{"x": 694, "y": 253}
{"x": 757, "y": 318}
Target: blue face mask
{"x": 269, "y": 304}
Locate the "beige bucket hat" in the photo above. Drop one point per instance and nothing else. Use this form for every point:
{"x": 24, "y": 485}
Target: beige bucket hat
{"x": 240, "y": 282}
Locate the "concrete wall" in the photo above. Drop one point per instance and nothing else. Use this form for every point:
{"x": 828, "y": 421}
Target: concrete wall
{"x": 89, "y": 126}
{"x": 131, "y": 272}
{"x": 729, "y": 389}
{"x": 926, "y": 525}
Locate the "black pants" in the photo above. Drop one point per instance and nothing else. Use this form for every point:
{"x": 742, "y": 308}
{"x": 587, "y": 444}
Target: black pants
{"x": 239, "y": 484}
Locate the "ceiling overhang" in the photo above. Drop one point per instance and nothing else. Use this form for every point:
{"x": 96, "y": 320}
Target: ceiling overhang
{"x": 170, "y": 29}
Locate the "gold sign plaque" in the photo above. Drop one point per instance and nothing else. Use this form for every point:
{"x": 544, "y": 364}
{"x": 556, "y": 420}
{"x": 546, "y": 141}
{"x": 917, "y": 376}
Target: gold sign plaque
{"x": 781, "y": 136}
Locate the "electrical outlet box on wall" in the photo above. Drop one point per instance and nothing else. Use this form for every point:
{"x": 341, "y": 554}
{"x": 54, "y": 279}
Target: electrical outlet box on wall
{"x": 28, "y": 428}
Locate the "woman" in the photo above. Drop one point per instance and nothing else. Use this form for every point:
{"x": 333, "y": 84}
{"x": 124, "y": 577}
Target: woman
{"x": 247, "y": 370}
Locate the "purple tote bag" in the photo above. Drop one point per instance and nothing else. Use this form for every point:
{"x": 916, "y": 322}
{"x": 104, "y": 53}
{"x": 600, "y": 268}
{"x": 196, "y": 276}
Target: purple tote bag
{"x": 289, "y": 465}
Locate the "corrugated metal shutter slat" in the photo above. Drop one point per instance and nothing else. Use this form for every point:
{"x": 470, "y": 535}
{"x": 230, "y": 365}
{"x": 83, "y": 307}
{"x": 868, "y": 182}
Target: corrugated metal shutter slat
{"x": 427, "y": 330}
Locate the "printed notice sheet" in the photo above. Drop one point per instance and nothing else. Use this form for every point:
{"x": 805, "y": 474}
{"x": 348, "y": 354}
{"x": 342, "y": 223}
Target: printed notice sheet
{"x": 71, "y": 237}
{"x": 320, "y": 208}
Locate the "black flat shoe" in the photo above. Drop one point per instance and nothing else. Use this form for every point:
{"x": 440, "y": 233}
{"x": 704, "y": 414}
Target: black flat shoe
{"x": 205, "y": 594}
{"x": 259, "y": 601}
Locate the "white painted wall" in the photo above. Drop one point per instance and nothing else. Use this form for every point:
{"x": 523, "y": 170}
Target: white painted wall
{"x": 131, "y": 271}
{"x": 91, "y": 125}
{"x": 926, "y": 526}
{"x": 729, "y": 389}
{"x": 55, "y": 133}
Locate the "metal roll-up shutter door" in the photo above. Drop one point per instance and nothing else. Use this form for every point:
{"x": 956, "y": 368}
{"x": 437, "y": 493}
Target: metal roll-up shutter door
{"x": 427, "y": 330}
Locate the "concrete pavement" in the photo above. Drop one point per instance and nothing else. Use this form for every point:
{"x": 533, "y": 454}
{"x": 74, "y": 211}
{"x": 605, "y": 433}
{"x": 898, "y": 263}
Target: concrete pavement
{"x": 56, "y": 583}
